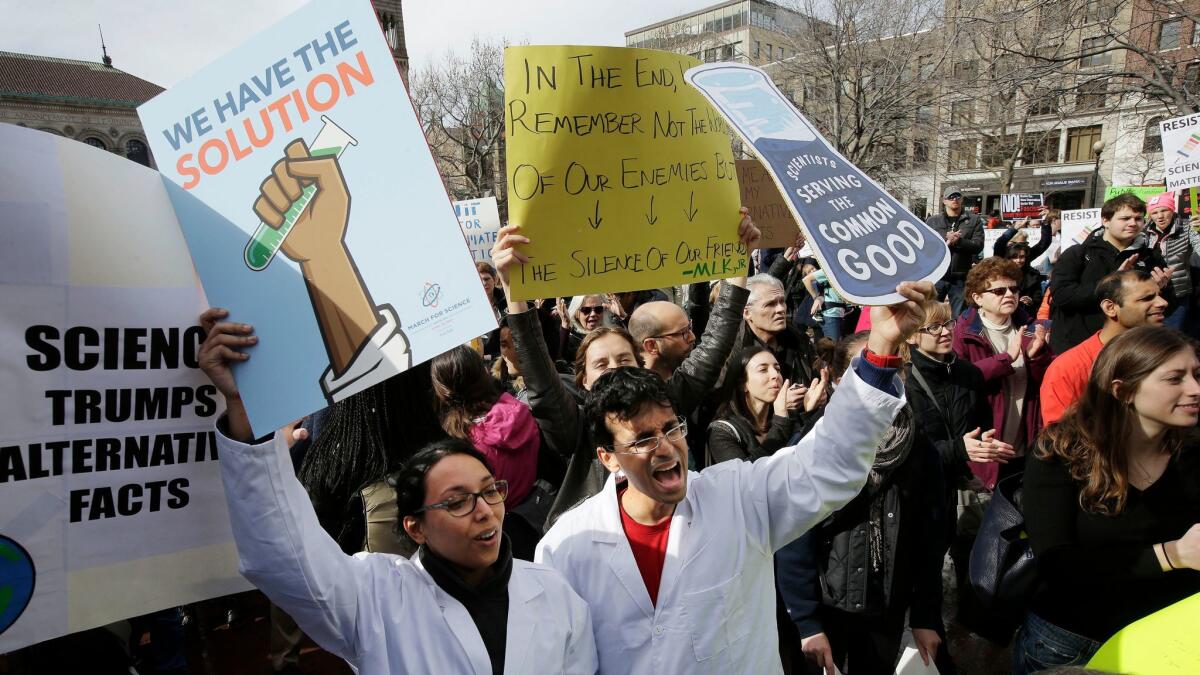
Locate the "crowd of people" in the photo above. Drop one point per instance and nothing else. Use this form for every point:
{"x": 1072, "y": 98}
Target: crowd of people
{"x": 756, "y": 477}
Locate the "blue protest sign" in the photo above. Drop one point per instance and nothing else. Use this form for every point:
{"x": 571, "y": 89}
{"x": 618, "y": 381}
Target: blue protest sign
{"x": 867, "y": 241}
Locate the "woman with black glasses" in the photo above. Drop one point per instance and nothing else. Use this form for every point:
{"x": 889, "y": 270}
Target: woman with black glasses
{"x": 998, "y": 336}
{"x": 457, "y": 606}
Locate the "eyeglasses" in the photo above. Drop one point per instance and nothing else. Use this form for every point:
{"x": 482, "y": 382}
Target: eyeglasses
{"x": 462, "y": 504}
{"x": 680, "y": 333}
{"x": 645, "y": 446}
{"x": 953, "y": 197}
{"x": 935, "y": 328}
{"x": 591, "y": 309}
{"x": 1001, "y": 291}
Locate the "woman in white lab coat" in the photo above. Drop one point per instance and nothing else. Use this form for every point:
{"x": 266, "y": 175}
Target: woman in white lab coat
{"x": 462, "y": 604}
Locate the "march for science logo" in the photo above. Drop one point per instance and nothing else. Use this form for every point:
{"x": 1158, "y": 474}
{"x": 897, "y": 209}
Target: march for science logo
{"x": 16, "y": 581}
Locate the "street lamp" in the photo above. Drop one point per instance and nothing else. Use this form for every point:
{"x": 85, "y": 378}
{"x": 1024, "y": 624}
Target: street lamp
{"x": 1097, "y": 149}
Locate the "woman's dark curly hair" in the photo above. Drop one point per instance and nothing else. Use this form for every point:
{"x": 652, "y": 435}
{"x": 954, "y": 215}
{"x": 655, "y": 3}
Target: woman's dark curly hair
{"x": 409, "y": 481}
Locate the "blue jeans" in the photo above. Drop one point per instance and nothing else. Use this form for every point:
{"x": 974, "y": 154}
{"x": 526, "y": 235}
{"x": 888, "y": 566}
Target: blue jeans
{"x": 1041, "y": 646}
{"x": 831, "y": 327}
{"x": 953, "y": 290}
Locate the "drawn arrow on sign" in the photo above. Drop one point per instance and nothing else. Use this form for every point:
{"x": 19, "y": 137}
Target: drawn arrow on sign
{"x": 691, "y": 211}
{"x": 651, "y": 218}
{"x": 595, "y": 223}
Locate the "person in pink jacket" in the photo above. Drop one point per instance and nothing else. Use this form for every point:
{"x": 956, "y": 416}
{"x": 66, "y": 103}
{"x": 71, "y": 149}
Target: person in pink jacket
{"x": 473, "y": 407}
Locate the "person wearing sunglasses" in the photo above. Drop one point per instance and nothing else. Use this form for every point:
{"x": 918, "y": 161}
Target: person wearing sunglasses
{"x": 461, "y": 604}
{"x": 963, "y": 231}
{"x": 585, "y": 313}
{"x": 998, "y": 336}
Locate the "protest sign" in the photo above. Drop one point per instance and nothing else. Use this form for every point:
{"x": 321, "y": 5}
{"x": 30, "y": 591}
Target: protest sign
{"x": 867, "y": 241}
{"x": 1077, "y": 224}
{"x": 1181, "y": 151}
{"x": 1163, "y": 643}
{"x": 1020, "y": 205}
{"x": 620, "y": 174}
{"x": 479, "y": 220}
{"x": 1032, "y": 236}
{"x": 768, "y": 208}
{"x": 111, "y": 504}
{"x": 1142, "y": 192}
{"x": 313, "y": 210}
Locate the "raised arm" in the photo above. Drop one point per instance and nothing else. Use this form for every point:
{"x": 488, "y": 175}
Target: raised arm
{"x": 786, "y": 494}
{"x": 282, "y": 549}
{"x": 554, "y": 408}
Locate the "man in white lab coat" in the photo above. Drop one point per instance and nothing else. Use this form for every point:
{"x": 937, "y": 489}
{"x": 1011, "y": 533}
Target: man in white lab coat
{"x": 676, "y": 567}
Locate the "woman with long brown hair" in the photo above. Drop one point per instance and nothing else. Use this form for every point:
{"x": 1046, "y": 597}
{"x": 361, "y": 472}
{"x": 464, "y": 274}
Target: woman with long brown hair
{"x": 1112, "y": 500}
{"x": 472, "y": 407}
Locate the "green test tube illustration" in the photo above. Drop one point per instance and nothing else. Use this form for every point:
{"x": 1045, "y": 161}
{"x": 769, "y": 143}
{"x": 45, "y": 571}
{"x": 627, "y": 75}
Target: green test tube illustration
{"x": 262, "y": 247}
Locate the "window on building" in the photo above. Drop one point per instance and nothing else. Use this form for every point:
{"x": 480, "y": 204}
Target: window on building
{"x": 925, "y": 113}
{"x": 1088, "y": 48}
{"x": 757, "y": 49}
{"x": 925, "y": 66}
{"x": 95, "y": 142}
{"x": 727, "y": 53}
{"x": 1191, "y": 77}
{"x": 1100, "y": 10}
{"x": 997, "y": 150}
{"x": 696, "y": 55}
{"x": 1152, "y": 142}
{"x": 1040, "y": 148}
{"x": 137, "y": 151}
{"x": 962, "y": 155}
{"x": 1000, "y": 107}
{"x": 1091, "y": 95}
{"x": 1044, "y": 104}
{"x": 770, "y": 52}
{"x": 962, "y": 113}
{"x": 920, "y": 207}
{"x": 965, "y": 71}
{"x": 1169, "y": 32}
{"x": 1195, "y": 33}
{"x": 920, "y": 153}
{"x": 1080, "y": 141}
{"x": 711, "y": 54}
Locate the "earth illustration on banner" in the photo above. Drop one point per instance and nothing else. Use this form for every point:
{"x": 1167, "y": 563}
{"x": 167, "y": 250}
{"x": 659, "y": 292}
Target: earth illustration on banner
{"x": 16, "y": 581}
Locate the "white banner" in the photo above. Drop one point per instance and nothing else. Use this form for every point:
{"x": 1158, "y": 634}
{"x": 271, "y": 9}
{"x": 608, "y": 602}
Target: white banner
{"x": 479, "y": 220}
{"x": 1181, "y": 151}
{"x": 111, "y": 504}
{"x": 1077, "y": 224}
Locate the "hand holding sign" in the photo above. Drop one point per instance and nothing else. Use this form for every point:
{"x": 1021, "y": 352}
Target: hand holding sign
{"x": 892, "y": 324}
{"x": 866, "y": 240}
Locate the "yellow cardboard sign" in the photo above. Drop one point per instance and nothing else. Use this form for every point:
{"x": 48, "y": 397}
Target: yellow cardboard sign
{"x": 619, "y": 172}
{"x": 1163, "y": 643}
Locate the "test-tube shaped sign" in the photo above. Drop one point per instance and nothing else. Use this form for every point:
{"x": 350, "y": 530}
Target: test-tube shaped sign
{"x": 866, "y": 241}
{"x": 265, "y": 243}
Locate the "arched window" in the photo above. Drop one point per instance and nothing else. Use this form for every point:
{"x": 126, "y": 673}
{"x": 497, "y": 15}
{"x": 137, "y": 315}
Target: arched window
{"x": 95, "y": 142}
{"x": 1153, "y": 139}
{"x": 136, "y": 151}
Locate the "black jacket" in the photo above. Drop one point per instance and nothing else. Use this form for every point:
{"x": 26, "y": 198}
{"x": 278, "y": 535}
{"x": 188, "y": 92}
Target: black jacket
{"x": 962, "y": 254}
{"x": 830, "y": 565}
{"x": 557, "y": 411}
{"x": 957, "y": 407}
{"x": 1074, "y": 306}
{"x": 732, "y": 437}
{"x": 794, "y": 351}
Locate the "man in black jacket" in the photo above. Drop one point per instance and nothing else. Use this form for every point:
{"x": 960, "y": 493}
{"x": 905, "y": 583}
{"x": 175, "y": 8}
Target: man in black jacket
{"x": 767, "y": 324}
{"x": 963, "y": 231}
{"x": 1118, "y": 245}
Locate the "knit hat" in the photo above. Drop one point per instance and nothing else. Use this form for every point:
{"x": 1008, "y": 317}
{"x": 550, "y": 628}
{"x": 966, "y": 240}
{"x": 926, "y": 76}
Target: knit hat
{"x": 1162, "y": 200}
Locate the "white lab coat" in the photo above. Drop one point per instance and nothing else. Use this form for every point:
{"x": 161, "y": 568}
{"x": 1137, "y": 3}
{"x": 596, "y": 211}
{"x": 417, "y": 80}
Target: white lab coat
{"x": 383, "y": 613}
{"x": 716, "y": 601}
